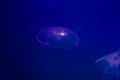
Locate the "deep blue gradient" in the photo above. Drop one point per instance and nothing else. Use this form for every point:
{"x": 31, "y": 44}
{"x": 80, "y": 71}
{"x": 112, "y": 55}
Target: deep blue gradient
{"x": 97, "y": 23}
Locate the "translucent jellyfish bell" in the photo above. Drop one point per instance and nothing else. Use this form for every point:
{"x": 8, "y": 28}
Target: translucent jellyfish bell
{"x": 109, "y": 65}
{"x": 57, "y": 37}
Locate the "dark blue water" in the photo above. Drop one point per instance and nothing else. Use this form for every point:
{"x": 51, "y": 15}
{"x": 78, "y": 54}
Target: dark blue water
{"x": 22, "y": 58}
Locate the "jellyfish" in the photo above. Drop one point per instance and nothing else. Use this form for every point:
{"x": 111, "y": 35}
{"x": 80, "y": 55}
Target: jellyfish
{"x": 57, "y": 37}
{"x": 109, "y": 66}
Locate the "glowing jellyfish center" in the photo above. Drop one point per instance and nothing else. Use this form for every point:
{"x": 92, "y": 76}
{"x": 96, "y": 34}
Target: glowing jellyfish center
{"x": 57, "y": 37}
{"x": 59, "y": 34}
{"x": 62, "y": 34}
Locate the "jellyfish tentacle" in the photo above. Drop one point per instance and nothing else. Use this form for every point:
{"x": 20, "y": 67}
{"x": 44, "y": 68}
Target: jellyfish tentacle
{"x": 109, "y": 65}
